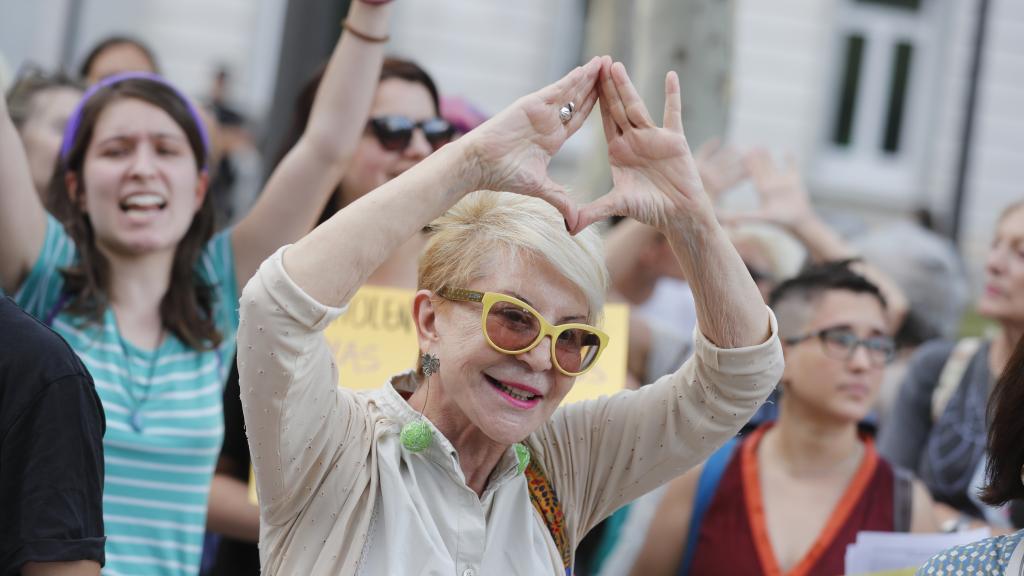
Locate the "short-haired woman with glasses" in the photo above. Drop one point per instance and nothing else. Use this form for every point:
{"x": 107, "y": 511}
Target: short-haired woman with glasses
{"x": 789, "y": 497}
{"x": 467, "y": 465}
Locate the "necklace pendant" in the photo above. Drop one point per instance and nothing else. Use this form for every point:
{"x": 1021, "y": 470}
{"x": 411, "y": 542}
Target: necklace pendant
{"x": 136, "y": 421}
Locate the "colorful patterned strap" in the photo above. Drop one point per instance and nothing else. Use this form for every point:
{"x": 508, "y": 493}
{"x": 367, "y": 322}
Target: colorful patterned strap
{"x": 544, "y": 499}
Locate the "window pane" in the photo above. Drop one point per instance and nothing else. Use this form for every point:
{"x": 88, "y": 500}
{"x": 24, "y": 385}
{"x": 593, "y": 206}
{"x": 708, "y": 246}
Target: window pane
{"x": 901, "y": 59}
{"x": 850, "y": 80}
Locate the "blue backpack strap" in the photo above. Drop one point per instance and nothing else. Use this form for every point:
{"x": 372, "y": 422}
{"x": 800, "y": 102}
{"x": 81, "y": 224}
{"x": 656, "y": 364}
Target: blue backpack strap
{"x": 707, "y": 485}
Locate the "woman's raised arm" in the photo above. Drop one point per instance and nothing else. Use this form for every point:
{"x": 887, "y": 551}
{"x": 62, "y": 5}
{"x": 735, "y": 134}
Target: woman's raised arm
{"x": 298, "y": 189}
{"x": 786, "y": 203}
{"x": 509, "y": 152}
{"x": 22, "y": 216}
{"x": 656, "y": 181}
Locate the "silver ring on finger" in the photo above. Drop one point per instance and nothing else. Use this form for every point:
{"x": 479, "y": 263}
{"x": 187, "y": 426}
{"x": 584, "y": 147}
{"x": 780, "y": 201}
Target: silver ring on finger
{"x": 565, "y": 112}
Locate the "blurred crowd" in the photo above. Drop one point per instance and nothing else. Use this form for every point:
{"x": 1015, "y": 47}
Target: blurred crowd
{"x": 123, "y": 444}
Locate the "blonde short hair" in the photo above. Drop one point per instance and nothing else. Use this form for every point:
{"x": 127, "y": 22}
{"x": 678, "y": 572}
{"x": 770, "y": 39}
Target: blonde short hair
{"x": 485, "y": 225}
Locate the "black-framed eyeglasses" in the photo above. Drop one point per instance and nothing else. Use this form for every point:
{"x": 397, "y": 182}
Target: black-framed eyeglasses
{"x": 395, "y": 132}
{"x": 841, "y": 343}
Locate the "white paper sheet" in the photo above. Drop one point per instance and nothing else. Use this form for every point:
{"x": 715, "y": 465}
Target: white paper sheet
{"x": 880, "y": 551}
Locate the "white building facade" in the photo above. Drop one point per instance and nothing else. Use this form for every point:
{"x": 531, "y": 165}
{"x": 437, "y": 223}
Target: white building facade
{"x": 869, "y": 94}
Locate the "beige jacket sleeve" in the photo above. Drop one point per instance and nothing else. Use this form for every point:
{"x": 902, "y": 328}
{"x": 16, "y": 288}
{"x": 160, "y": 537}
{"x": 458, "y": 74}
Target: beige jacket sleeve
{"x": 603, "y": 453}
{"x": 298, "y": 421}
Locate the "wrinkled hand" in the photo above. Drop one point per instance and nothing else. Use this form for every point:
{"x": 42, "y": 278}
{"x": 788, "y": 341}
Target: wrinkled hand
{"x": 512, "y": 150}
{"x": 655, "y": 178}
{"x": 721, "y": 167}
{"x": 783, "y": 197}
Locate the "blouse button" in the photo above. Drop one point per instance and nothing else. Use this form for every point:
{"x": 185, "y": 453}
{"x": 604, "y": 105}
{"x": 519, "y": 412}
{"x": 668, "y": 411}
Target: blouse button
{"x": 468, "y": 572}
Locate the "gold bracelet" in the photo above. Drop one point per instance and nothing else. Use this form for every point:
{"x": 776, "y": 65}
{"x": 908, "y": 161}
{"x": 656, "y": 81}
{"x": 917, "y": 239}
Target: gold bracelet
{"x": 363, "y": 35}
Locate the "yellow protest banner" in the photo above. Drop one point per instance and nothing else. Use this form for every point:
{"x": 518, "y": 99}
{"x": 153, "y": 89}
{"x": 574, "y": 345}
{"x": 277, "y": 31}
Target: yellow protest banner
{"x": 376, "y": 338}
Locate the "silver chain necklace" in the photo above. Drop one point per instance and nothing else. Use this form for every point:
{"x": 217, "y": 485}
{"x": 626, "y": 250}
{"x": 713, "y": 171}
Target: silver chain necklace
{"x": 135, "y": 419}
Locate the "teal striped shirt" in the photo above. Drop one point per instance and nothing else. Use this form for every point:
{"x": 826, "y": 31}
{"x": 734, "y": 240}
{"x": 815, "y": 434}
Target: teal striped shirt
{"x": 164, "y": 415}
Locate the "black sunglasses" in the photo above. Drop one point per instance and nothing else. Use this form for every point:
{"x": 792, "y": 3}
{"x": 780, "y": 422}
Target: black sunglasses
{"x": 395, "y": 132}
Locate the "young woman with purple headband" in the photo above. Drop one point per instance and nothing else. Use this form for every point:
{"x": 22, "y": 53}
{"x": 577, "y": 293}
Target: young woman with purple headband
{"x": 128, "y": 271}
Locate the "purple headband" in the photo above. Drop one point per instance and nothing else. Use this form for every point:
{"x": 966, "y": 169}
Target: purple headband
{"x": 71, "y": 128}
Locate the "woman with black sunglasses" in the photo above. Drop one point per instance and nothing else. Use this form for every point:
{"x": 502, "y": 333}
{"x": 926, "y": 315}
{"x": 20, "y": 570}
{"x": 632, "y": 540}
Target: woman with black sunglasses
{"x": 403, "y": 128}
{"x": 467, "y": 465}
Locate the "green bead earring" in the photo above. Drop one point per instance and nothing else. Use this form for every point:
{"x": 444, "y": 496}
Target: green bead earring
{"x": 416, "y": 436}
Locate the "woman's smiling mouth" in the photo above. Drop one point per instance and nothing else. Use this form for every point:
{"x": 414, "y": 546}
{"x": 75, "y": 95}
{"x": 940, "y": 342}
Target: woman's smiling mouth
{"x": 515, "y": 395}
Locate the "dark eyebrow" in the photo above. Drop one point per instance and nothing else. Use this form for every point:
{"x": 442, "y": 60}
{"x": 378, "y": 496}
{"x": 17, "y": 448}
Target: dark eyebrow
{"x": 133, "y": 137}
{"x": 519, "y": 296}
{"x": 563, "y": 320}
{"x": 572, "y": 320}
{"x": 847, "y": 327}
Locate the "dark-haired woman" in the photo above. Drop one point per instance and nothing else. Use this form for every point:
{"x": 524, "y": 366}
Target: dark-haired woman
{"x": 131, "y": 275}
{"x": 114, "y": 55}
{"x": 1005, "y": 483}
{"x": 404, "y": 126}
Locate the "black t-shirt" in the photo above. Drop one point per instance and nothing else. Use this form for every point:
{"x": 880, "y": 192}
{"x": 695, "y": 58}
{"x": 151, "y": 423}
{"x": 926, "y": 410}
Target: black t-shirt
{"x": 235, "y": 557}
{"x": 51, "y": 448}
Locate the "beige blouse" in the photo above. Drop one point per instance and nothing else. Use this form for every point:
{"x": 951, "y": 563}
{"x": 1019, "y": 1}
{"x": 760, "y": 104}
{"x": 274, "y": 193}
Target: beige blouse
{"x": 339, "y": 494}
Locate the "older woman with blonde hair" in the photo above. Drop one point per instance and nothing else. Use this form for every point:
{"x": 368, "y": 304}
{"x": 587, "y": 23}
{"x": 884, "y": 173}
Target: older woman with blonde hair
{"x": 468, "y": 465}
{"x": 938, "y": 424}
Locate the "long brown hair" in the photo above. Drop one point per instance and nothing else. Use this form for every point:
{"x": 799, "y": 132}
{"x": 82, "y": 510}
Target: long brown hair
{"x": 1006, "y": 434}
{"x": 186, "y": 310}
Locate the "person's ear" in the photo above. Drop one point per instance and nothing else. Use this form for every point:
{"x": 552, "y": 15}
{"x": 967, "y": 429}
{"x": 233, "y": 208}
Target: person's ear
{"x": 424, "y": 314}
{"x": 202, "y": 186}
{"x": 71, "y": 184}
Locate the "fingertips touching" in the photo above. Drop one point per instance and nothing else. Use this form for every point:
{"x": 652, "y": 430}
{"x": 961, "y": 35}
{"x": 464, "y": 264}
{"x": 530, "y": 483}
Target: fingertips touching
{"x": 596, "y": 211}
{"x": 557, "y": 195}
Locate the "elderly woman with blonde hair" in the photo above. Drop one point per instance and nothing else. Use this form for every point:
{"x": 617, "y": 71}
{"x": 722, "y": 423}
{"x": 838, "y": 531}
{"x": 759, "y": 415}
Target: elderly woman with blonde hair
{"x": 468, "y": 465}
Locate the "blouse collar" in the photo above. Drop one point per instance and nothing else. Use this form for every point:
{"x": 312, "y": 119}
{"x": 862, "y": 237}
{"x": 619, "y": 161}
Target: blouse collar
{"x": 440, "y": 451}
